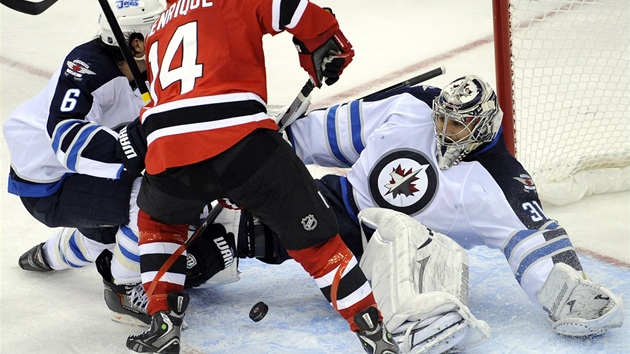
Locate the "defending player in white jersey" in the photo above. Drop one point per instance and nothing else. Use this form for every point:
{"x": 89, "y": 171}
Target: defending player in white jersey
{"x": 438, "y": 156}
{"x": 65, "y": 165}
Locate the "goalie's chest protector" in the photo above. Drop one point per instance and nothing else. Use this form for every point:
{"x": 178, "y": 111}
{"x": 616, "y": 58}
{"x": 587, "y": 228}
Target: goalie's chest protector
{"x": 398, "y": 170}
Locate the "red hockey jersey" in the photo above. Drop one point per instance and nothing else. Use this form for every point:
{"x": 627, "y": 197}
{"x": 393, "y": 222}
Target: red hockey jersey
{"x": 207, "y": 75}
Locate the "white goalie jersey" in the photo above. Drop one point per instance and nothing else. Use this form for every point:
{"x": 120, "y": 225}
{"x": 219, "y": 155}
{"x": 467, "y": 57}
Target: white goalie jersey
{"x": 388, "y": 142}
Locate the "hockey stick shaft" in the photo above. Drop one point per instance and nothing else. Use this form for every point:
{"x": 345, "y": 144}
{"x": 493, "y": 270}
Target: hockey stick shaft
{"x": 131, "y": 61}
{"x": 214, "y": 213}
{"x": 28, "y": 7}
{"x": 289, "y": 116}
{"x": 413, "y": 81}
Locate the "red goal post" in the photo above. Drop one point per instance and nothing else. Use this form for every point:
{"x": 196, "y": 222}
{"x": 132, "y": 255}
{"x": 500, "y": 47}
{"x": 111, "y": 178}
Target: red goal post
{"x": 563, "y": 82}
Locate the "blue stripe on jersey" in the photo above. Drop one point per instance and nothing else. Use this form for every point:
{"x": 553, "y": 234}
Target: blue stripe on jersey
{"x": 331, "y": 131}
{"x": 355, "y": 125}
{"x": 78, "y": 145}
{"x": 61, "y": 130}
{"x": 515, "y": 240}
{"x": 345, "y": 196}
{"x": 34, "y": 190}
{"x": 545, "y": 251}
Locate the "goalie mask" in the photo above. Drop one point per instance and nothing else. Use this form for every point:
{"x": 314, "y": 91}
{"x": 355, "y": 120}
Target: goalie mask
{"x": 466, "y": 114}
{"x": 133, "y": 16}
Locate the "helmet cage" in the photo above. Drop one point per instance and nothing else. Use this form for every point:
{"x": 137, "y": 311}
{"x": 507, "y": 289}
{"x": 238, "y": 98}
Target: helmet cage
{"x": 470, "y": 105}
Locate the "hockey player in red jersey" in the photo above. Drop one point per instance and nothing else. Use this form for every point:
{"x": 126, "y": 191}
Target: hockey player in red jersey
{"x": 209, "y": 137}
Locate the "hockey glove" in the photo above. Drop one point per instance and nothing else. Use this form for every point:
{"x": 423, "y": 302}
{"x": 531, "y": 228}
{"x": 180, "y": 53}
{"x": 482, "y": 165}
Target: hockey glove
{"x": 325, "y": 56}
{"x": 132, "y": 147}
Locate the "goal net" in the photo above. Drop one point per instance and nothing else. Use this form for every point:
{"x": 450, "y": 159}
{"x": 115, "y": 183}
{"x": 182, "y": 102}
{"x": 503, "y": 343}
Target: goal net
{"x": 563, "y": 80}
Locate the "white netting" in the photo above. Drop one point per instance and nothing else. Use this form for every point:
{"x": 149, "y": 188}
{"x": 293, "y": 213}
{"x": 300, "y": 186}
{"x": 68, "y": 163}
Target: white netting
{"x": 571, "y": 72}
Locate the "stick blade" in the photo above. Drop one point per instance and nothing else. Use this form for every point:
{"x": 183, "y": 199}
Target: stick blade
{"x": 28, "y": 7}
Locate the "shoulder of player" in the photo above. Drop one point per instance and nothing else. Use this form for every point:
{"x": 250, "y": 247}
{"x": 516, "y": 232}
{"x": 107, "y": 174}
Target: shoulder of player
{"x": 88, "y": 67}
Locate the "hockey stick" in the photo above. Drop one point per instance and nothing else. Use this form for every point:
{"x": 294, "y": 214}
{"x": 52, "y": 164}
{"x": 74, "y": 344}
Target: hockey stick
{"x": 131, "y": 61}
{"x": 289, "y": 116}
{"x": 216, "y": 210}
{"x": 411, "y": 82}
{"x": 28, "y": 7}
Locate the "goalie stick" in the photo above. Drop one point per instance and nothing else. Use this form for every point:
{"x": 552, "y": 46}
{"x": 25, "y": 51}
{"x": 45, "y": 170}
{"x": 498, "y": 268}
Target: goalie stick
{"x": 289, "y": 116}
{"x": 28, "y": 7}
{"x": 412, "y": 82}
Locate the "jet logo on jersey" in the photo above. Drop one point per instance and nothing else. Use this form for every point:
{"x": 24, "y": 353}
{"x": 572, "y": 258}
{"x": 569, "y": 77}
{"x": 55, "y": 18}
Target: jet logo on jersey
{"x": 527, "y": 181}
{"x": 78, "y": 68}
{"x": 403, "y": 180}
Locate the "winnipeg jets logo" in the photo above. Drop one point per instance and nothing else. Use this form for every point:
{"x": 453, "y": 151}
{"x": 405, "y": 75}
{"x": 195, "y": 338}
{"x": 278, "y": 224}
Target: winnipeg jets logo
{"x": 403, "y": 180}
{"x": 309, "y": 222}
{"x": 527, "y": 181}
{"x": 78, "y": 68}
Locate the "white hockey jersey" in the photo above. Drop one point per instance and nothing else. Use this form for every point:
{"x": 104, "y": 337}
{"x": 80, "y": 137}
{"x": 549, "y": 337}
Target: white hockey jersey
{"x": 389, "y": 143}
{"x": 67, "y": 127}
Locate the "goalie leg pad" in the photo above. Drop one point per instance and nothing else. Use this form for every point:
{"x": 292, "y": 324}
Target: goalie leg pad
{"x": 418, "y": 274}
{"x": 577, "y": 306}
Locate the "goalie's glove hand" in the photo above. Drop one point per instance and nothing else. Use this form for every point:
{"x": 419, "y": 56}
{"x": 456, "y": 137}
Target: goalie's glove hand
{"x": 132, "y": 147}
{"x": 325, "y": 56}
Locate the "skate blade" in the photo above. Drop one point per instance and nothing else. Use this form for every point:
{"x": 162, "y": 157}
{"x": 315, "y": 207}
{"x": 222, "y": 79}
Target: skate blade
{"x": 126, "y": 319}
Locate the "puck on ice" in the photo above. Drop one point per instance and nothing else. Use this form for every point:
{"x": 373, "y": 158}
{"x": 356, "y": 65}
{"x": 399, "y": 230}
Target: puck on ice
{"x": 258, "y": 311}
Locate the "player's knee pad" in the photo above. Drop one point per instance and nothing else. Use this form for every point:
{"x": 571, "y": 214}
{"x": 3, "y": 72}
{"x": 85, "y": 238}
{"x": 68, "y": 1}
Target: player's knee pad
{"x": 438, "y": 263}
{"x": 418, "y": 274}
{"x": 209, "y": 254}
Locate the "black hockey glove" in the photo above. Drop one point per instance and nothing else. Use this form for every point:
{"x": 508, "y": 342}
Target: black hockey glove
{"x": 132, "y": 147}
{"x": 208, "y": 254}
{"x": 325, "y": 56}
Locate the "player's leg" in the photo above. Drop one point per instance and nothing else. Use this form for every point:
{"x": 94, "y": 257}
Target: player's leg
{"x": 278, "y": 189}
{"x": 163, "y": 223}
{"x": 85, "y": 203}
{"x": 420, "y": 281}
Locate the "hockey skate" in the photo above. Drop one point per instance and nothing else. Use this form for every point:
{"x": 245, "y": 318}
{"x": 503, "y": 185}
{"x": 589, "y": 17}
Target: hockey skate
{"x": 128, "y": 302}
{"x": 163, "y": 335}
{"x": 34, "y": 260}
{"x": 373, "y": 334}
{"x": 578, "y": 307}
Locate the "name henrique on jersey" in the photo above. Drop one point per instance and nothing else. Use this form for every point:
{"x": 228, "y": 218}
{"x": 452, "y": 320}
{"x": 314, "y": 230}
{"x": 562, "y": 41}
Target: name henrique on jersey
{"x": 207, "y": 74}
{"x": 388, "y": 143}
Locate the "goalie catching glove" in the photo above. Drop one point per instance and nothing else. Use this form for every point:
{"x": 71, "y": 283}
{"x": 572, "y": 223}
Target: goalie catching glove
{"x": 325, "y": 56}
{"x": 132, "y": 147}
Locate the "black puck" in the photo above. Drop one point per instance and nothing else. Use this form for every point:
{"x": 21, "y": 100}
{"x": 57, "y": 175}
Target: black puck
{"x": 258, "y": 311}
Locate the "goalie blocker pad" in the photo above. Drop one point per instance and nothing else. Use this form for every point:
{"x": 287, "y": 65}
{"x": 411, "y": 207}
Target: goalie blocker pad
{"x": 420, "y": 281}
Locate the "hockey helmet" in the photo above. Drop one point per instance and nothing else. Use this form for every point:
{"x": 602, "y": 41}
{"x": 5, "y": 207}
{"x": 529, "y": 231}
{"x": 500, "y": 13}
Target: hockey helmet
{"x": 133, "y": 16}
{"x": 466, "y": 114}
